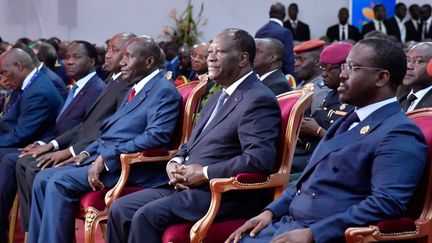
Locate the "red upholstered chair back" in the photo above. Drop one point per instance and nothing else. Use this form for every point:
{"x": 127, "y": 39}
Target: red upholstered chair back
{"x": 421, "y": 203}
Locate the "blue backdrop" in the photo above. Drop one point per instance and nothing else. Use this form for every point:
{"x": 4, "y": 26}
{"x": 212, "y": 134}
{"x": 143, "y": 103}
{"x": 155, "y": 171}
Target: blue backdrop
{"x": 362, "y": 10}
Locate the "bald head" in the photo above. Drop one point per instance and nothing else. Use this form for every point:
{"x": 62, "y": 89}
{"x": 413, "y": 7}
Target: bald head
{"x": 269, "y": 55}
{"x": 114, "y": 51}
{"x": 141, "y": 57}
{"x": 15, "y": 65}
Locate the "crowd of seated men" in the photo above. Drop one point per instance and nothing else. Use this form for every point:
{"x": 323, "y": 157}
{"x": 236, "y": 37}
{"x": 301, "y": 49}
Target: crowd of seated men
{"x": 69, "y": 110}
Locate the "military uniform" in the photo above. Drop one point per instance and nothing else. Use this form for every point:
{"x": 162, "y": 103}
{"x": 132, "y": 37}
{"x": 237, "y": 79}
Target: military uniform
{"x": 327, "y": 113}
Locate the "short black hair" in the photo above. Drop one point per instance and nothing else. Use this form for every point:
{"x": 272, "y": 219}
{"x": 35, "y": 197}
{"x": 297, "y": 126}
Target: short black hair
{"x": 379, "y": 5}
{"x": 46, "y": 53}
{"x": 388, "y": 56}
{"x": 399, "y": 5}
{"x": 244, "y": 43}
{"x": 277, "y": 11}
{"x": 90, "y": 48}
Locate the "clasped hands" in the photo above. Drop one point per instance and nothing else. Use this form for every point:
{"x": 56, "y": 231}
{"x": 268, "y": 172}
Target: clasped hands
{"x": 185, "y": 176}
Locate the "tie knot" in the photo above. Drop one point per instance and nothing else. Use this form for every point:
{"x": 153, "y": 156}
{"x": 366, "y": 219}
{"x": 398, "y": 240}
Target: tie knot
{"x": 74, "y": 88}
{"x": 131, "y": 95}
{"x": 353, "y": 117}
{"x": 222, "y": 96}
{"x": 411, "y": 98}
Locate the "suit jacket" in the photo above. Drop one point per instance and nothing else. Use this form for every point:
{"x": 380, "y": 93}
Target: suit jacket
{"x": 274, "y": 30}
{"x": 147, "y": 122}
{"x": 333, "y": 33}
{"x": 371, "y": 26}
{"x": 412, "y": 34}
{"x": 277, "y": 82}
{"x": 230, "y": 144}
{"x": 60, "y": 70}
{"x": 301, "y": 33}
{"x": 105, "y": 105}
{"x": 32, "y": 114}
{"x": 425, "y": 102}
{"x": 358, "y": 177}
{"x": 57, "y": 81}
{"x": 80, "y": 105}
{"x": 393, "y": 28}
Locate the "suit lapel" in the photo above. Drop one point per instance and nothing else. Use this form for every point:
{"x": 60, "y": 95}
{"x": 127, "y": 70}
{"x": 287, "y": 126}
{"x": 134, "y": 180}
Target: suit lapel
{"x": 110, "y": 86}
{"x": 329, "y": 143}
{"x": 426, "y": 101}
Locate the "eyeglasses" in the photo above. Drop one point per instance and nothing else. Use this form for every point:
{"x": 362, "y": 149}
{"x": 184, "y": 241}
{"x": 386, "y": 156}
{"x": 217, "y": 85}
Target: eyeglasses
{"x": 198, "y": 57}
{"x": 416, "y": 61}
{"x": 352, "y": 68}
{"x": 328, "y": 69}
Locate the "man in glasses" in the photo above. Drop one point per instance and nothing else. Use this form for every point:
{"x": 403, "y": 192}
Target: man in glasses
{"x": 315, "y": 125}
{"x": 417, "y": 78}
{"x": 358, "y": 174}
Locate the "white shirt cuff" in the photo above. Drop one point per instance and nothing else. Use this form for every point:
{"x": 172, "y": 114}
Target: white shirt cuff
{"x": 85, "y": 152}
{"x": 72, "y": 151}
{"x": 179, "y": 160}
{"x": 106, "y": 167}
{"x": 40, "y": 142}
{"x": 55, "y": 144}
{"x": 205, "y": 168}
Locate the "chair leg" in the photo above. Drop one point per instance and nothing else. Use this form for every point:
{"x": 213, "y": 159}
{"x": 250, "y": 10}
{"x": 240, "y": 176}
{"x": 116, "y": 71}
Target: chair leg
{"x": 13, "y": 219}
{"x": 103, "y": 227}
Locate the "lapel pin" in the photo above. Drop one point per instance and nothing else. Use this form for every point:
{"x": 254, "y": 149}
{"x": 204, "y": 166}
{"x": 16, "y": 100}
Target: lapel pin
{"x": 364, "y": 130}
{"x": 342, "y": 107}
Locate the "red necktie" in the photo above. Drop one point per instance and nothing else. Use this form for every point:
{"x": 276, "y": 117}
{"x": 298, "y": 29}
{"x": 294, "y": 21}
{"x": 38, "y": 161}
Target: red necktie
{"x": 131, "y": 95}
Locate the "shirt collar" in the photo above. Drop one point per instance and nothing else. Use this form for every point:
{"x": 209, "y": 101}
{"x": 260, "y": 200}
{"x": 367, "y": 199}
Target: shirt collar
{"x": 277, "y": 21}
{"x": 40, "y": 66}
{"x": 419, "y": 94}
{"x": 234, "y": 86}
{"x": 116, "y": 75}
{"x": 28, "y": 78}
{"x": 364, "y": 112}
{"x": 140, "y": 85}
{"x": 265, "y": 75}
{"x": 83, "y": 81}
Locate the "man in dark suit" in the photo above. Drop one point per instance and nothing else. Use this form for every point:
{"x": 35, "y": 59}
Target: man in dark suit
{"x": 378, "y": 23}
{"x": 343, "y": 30}
{"x": 426, "y": 22}
{"x": 224, "y": 142}
{"x": 315, "y": 124}
{"x": 268, "y": 64}
{"x": 412, "y": 25}
{"x": 75, "y": 140}
{"x": 275, "y": 29}
{"x": 395, "y": 25}
{"x": 417, "y": 78}
{"x": 32, "y": 111}
{"x": 358, "y": 173}
{"x": 146, "y": 120}
{"x": 299, "y": 29}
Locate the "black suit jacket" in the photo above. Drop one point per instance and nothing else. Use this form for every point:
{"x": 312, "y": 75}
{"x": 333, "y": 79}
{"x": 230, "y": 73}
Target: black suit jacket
{"x": 105, "y": 105}
{"x": 412, "y": 34}
{"x": 425, "y": 102}
{"x": 370, "y": 27}
{"x": 277, "y": 82}
{"x": 301, "y": 33}
{"x": 393, "y": 28}
{"x": 333, "y": 33}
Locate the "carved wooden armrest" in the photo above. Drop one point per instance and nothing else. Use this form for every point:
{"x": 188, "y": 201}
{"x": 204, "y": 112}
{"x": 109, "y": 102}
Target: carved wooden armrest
{"x": 243, "y": 181}
{"x": 126, "y": 160}
{"x": 409, "y": 230}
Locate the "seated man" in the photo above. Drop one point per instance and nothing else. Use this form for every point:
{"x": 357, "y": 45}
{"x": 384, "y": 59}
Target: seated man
{"x": 75, "y": 140}
{"x": 236, "y": 132}
{"x": 32, "y": 111}
{"x": 268, "y": 63}
{"x": 146, "y": 120}
{"x": 417, "y": 78}
{"x": 315, "y": 124}
{"x": 365, "y": 169}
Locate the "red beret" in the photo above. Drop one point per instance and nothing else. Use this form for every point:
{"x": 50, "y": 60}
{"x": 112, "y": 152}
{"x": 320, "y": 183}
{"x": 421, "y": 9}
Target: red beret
{"x": 335, "y": 53}
{"x": 429, "y": 67}
{"x": 309, "y": 45}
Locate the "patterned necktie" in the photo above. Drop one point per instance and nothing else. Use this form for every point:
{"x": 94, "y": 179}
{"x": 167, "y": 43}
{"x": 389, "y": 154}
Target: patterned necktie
{"x": 217, "y": 108}
{"x": 411, "y": 98}
{"x": 345, "y": 125}
{"x": 69, "y": 99}
{"x": 131, "y": 95}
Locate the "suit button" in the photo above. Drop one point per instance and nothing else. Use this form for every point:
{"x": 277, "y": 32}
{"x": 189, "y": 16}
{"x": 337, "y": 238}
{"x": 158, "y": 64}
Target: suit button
{"x": 298, "y": 192}
{"x": 314, "y": 195}
{"x": 187, "y": 158}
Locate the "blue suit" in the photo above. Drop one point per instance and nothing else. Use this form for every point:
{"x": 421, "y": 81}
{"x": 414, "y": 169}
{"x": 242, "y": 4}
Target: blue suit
{"x": 57, "y": 81}
{"x": 241, "y": 138}
{"x": 31, "y": 112}
{"x": 274, "y": 30}
{"x": 359, "y": 177}
{"x": 148, "y": 121}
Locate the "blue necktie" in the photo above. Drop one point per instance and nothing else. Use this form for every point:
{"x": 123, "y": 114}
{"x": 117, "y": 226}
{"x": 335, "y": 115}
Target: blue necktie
{"x": 217, "y": 108}
{"x": 68, "y": 99}
{"x": 345, "y": 125}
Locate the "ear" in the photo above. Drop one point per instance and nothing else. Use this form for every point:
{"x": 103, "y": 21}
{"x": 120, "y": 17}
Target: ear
{"x": 244, "y": 59}
{"x": 383, "y": 78}
{"x": 19, "y": 66}
{"x": 150, "y": 61}
{"x": 93, "y": 61}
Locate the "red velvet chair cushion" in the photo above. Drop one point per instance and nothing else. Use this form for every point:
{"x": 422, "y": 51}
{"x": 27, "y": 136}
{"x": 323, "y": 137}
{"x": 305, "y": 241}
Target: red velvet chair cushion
{"x": 155, "y": 152}
{"x": 250, "y": 178}
{"x": 396, "y": 225}
{"x": 97, "y": 199}
{"x": 218, "y": 232}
